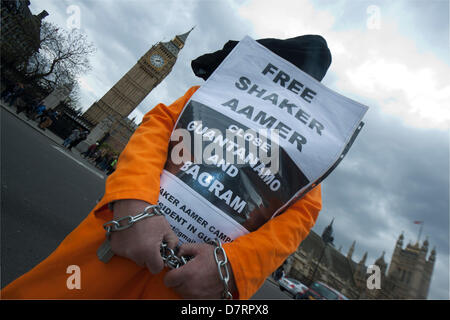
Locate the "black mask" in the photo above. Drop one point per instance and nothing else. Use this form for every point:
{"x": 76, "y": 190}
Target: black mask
{"x": 310, "y": 53}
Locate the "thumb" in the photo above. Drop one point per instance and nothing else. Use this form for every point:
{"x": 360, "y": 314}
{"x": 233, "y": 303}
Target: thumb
{"x": 174, "y": 278}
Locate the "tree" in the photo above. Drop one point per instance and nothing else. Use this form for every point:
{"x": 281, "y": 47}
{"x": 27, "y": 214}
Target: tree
{"x": 62, "y": 57}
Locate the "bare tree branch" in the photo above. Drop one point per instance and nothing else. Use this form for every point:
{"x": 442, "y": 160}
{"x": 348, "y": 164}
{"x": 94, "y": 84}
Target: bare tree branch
{"x": 63, "y": 56}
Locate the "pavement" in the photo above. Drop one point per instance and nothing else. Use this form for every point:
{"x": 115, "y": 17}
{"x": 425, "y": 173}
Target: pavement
{"x": 33, "y": 124}
{"x": 48, "y": 134}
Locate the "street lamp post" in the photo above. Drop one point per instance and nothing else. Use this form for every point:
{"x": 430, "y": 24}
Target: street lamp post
{"x": 311, "y": 280}
{"x": 327, "y": 237}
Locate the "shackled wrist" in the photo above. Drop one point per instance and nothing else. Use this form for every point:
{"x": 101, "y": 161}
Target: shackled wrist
{"x": 104, "y": 252}
{"x": 222, "y": 266}
{"x": 168, "y": 255}
{"x": 125, "y": 207}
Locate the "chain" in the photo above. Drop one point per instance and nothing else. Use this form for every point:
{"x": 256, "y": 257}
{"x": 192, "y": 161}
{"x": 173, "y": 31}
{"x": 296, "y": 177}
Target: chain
{"x": 222, "y": 265}
{"x": 115, "y": 225}
{"x": 169, "y": 255}
{"x": 170, "y": 258}
{"x": 173, "y": 261}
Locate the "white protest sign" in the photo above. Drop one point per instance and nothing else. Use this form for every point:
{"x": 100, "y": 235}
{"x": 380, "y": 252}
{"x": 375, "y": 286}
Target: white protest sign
{"x": 231, "y": 186}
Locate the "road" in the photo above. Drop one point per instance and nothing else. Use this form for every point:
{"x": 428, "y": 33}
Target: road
{"x": 45, "y": 195}
{"x": 46, "y": 192}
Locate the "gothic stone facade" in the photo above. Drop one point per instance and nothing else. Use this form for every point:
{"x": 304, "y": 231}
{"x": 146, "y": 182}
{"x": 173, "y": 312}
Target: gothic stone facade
{"x": 408, "y": 276}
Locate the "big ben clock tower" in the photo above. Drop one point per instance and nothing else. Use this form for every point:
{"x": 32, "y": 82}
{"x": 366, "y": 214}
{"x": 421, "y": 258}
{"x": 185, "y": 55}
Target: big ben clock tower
{"x": 133, "y": 87}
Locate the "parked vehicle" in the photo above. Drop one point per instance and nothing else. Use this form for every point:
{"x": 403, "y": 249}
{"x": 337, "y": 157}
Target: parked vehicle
{"x": 320, "y": 291}
{"x": 293, "y": 286}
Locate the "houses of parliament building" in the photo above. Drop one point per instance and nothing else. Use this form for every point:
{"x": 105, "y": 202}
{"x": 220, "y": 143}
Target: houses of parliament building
{"x": 407, "y": 277}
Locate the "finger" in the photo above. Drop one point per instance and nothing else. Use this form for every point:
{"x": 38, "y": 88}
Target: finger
{"x": 153, "y": 260}
{"x": 171, "y": 239}
{"x": 190, "y": 249}
{"x": 174, "y": 278}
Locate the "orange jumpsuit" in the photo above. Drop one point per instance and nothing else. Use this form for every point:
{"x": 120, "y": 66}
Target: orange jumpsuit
{"x": 253, "y": 257}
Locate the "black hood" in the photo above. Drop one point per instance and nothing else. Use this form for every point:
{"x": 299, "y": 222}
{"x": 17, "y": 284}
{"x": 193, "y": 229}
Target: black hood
{"x": 310, "y": 53}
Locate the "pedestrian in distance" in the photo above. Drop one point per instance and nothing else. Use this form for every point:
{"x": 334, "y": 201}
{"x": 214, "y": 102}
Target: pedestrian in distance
{"x": 105, "y": 162}
{"x": 94, "y": 156}
{"x": 50, "y": 117}
{"x": 83, "y": 135}
{"x": 100, "y": 157}
{"x": 38, "y": 111}
{"x": 41, "y": 118}
{"x": 72, "y": 137}
{"x": 112, "y": 166}
{"x": 12, "y": 96}
{"x": 28, "y": 107}
{"x": 136, "y": 269}
{"x": 90, "y": 150}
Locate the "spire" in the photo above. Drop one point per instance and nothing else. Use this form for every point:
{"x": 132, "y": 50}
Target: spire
{"x": 432, "y": 257}
{"x": 351, "y": 250}
{"x": 177, "y": 43}
{"x": 380, "y": 261}
{"x": 364, "y": 258}
{"x": 183, "y": 37}
{"x": 361, "y": 268}
{"x": 400, "y": 240}
{"x": 424, "y": 248}
{"x": 327, "y": 235}
{"x": 425, "y": 243}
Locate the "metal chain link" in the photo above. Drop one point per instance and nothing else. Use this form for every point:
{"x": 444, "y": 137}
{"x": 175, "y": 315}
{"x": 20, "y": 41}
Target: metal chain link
{"x": 222, "y": 265}
{"x": 169, "y": 255}
{"x": 170, "y": 258}
{"x": 115, "y": 225}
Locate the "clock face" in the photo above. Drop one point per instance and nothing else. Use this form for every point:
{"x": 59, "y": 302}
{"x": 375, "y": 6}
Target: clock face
{"x": 157, "y": 60}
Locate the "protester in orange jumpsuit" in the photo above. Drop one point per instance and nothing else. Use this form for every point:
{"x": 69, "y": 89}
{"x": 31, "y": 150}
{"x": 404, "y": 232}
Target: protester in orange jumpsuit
{"x": 137, "y": 271}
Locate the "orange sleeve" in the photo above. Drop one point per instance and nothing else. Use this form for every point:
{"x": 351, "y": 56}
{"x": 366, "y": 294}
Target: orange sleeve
{"x": 139, "y": 167}
{"x": 254, "y": 256}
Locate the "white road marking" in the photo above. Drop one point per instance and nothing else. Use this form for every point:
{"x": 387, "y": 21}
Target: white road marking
{"x": 79, "y": 162}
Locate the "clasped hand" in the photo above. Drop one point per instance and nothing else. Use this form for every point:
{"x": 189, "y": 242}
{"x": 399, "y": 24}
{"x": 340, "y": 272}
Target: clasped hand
{"x": 198, "y": 279}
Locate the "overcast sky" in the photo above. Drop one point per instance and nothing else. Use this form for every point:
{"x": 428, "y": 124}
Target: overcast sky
{"x": 390, "y": 56}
